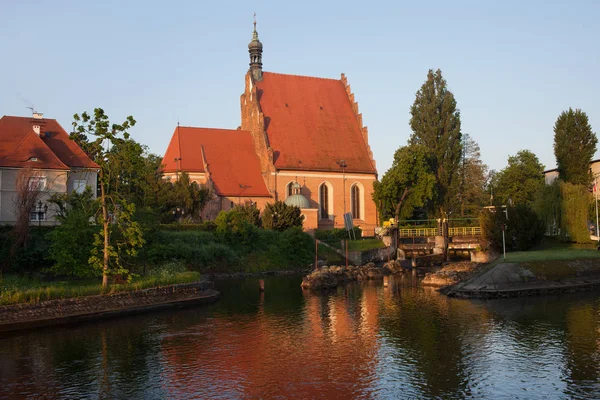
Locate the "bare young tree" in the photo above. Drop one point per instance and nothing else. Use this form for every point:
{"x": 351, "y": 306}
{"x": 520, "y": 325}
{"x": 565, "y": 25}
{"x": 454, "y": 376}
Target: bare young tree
{"x": 30, "y": 186}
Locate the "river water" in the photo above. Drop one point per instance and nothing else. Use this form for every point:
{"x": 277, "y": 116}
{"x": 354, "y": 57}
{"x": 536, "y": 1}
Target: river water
{"x": 361, "y": 341}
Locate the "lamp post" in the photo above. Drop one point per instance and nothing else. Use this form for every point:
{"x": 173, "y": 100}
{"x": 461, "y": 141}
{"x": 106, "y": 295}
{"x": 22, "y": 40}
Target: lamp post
{"x": 42, "y": 209}
{"x": 596, "y": 201}
{"x": 343, "y": 165}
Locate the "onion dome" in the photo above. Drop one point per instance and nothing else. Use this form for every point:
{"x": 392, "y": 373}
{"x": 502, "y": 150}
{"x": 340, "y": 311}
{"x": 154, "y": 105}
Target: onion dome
{"x": 296, "y": 199}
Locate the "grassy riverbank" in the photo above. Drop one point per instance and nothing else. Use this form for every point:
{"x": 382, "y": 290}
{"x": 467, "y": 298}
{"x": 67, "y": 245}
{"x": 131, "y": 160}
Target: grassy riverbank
{"x": 15, "y": 289}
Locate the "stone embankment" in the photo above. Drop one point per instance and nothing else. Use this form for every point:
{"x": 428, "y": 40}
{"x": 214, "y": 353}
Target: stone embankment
{"x": 60, "y": 311}
{"x": 330, "y": 277}
{"x": 452, "y": 273}
{"x": 518, "y": 279}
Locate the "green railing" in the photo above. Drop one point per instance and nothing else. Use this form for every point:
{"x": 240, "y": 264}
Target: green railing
{"x": 454, "y": 231}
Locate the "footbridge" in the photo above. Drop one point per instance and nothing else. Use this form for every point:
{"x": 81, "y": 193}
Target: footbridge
{"x": 416, "y": 242}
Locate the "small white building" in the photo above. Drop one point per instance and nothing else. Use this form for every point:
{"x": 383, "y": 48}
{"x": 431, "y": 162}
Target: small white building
{"x": 552, "y": 174}
{"x": 41, "y": 149}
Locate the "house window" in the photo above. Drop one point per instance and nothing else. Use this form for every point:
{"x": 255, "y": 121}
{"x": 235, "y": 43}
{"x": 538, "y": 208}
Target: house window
{"x": 79, "y": 185}
{"x": 324, "y": 201}
{"x": 37, "y": 183}
{"x": 355, "y": 201}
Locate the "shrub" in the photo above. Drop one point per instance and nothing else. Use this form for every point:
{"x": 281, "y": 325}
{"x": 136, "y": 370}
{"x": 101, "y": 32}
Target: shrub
{"x": 522, "y": 229}
{"x": 279, "y": 216}
{"x": 167, "y": 269}
{"x": 70, "y": 246}
{"x": 337, "y": 234}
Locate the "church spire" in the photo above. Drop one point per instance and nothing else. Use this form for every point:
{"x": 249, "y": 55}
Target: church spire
{"x": 255, "y": 49}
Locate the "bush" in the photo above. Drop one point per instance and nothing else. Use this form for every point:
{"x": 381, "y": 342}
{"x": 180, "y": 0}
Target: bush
{"x": 523, "y": 228}
{"x": 337, "y": 234}
{"x": 167, "y": 269}
{"x": 71, "y": 245}
{"x": 28, "y": 260}
{"x": 279, "y": 216}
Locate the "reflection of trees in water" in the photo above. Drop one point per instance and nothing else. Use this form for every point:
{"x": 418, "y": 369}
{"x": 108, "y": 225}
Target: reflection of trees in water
{"x": 108, "y": 358}
{"x": 432, "y": 333}
{"x": 360, "y": 340}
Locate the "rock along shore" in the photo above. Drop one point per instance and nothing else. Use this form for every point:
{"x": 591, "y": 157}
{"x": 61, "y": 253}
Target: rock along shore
{"x": 62, "y": 311}
{"x": 330, "y": 277}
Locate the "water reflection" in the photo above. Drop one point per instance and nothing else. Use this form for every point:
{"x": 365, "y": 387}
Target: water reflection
{"x": 361, "y": 341}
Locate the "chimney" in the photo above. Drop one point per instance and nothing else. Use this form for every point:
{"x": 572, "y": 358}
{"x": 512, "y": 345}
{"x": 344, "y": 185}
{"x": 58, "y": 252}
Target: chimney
{"x": 36, "y": 125}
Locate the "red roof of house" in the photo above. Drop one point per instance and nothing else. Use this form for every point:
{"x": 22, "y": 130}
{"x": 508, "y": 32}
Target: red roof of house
{"x": 310, "y": 124}
{"x": 233, "y": 165}
{"x": 20, "y": 145}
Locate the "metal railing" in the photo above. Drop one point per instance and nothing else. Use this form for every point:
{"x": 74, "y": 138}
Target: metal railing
{"x": 454, "y": 231}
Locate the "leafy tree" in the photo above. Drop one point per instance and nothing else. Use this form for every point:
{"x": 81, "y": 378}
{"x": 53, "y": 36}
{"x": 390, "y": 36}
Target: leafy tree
{"x": 408, "y": 184}
{"x": 182, "y": 200}
{"x": 574, "y": 146}
{"x": 435, "y": 123}
{"x": 522, "y": 227}
{"x": 279, "y": 216}
{"x": 72, "y": 241}
{"x": 521, "y": 180}
{"x": 249, "y": 212}
{"x": 472, "y": 173}
{"x": 116, "y": 212}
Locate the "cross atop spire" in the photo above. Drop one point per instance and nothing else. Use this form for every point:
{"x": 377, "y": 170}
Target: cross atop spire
{"x": 255, "y": 50}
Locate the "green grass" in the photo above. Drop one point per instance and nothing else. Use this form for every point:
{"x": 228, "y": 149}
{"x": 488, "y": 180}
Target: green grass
{"x": 329, "y": 255}
{"x": 554, "y": 251}
{"x": 550, "y": 260}
{"x": 365, "y": 244}
{"x": 15, "y": 290}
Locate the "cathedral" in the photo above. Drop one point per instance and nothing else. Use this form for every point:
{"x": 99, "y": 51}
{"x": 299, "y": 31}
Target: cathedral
{"x": 301, "y": 141}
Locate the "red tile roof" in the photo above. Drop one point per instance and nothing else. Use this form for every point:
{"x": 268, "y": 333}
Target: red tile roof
{"x": 310, "y": 124}
{"x": 53, "y": 149}
{"x": 230, "y": 156}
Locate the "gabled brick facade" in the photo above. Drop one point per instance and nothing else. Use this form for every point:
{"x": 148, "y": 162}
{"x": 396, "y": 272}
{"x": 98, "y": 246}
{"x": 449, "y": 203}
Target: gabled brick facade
{"x": 302, "y": 129}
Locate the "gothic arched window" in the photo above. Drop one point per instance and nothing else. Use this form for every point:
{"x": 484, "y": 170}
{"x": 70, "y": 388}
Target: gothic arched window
{"x": 355, "y": 201}
{"x": 324, "y": 201}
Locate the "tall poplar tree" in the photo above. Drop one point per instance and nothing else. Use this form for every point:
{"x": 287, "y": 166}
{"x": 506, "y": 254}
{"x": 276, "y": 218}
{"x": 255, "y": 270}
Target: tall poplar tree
{"x": 435, "y": 123}
{"x": 574, "y": 146}
{"x": 471, "y": 183}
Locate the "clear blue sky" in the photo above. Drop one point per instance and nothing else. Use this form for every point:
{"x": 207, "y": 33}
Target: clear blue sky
{"x": 513, "y": 65}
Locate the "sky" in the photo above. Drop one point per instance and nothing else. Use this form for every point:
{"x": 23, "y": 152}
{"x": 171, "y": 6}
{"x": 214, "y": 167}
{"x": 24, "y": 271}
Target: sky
{"x": 513, "y": 66}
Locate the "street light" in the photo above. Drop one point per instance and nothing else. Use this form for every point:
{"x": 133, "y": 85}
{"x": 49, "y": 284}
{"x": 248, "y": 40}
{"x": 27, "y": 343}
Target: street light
{"x": 343, "y": 165}
{"x": 42, "y": 209}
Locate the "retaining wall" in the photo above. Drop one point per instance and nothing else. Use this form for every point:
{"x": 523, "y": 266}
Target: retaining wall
{"x": 52, "y": 312}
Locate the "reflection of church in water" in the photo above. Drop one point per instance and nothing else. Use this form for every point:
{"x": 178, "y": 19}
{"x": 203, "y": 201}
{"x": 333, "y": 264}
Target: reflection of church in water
{"x": 301, "y": 140}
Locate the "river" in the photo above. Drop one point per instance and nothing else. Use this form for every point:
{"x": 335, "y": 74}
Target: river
{"x": 361, "y": 341}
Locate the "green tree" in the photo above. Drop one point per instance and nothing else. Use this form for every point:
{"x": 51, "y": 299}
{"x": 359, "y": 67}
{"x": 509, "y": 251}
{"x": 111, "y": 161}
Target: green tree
{"x": 280, "y": 217}
{"x": 407, "y": 185}
{"x": 522, "y": 227}
{"x": 472, "y": 173}
{"x": 116, "y": 212}
{"x": 435, "y": 122}
{"x": 72, "y": 241}
{"x": 574, "y": 146}
{"x": 521, "y": 180}
{"x": 182, "y": 200}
